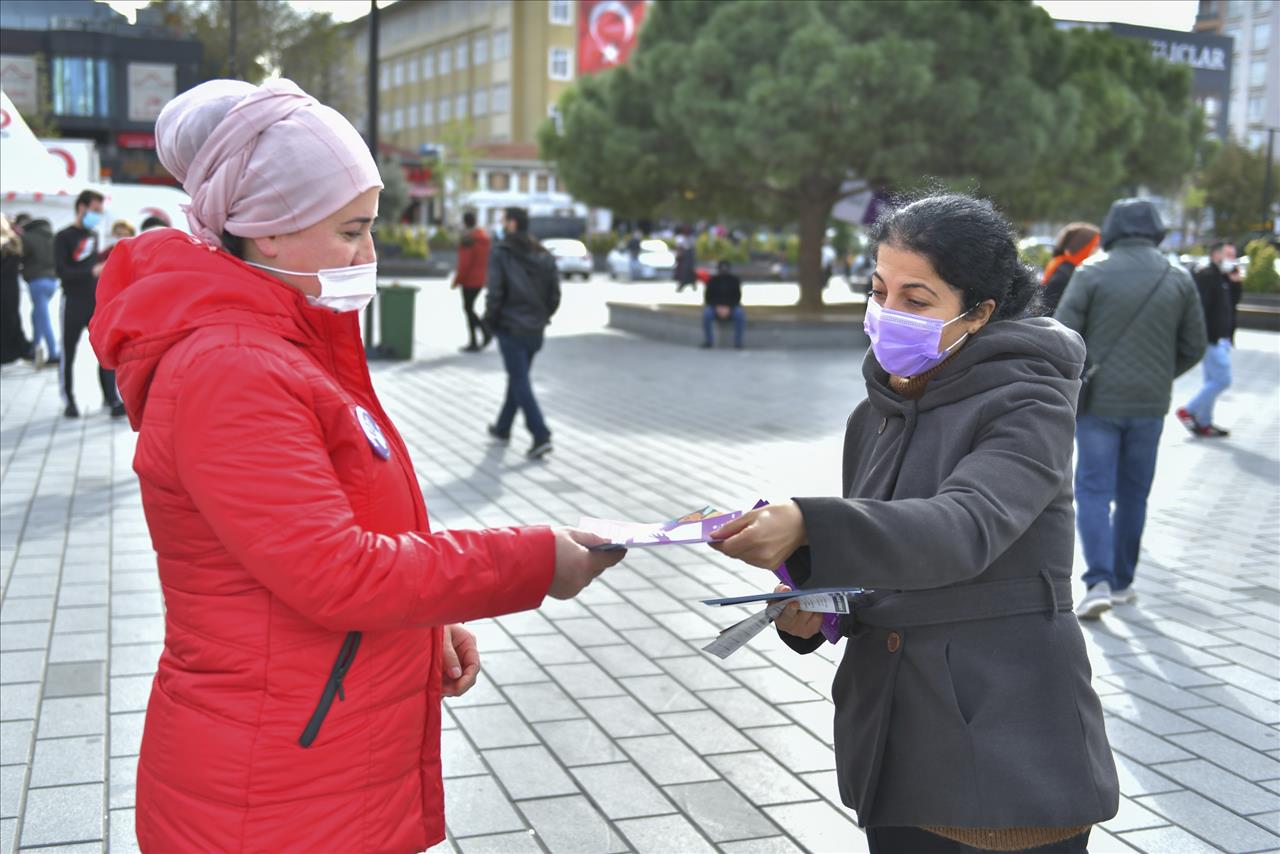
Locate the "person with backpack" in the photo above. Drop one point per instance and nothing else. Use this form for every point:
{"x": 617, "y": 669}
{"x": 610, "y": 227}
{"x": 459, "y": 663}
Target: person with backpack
{"x": 523, "y": 292}
{"x": 1141, "y": 321}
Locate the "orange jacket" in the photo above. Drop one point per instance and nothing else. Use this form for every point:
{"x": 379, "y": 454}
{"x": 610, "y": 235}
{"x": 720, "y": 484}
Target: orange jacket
{"x": 473, "y": 258}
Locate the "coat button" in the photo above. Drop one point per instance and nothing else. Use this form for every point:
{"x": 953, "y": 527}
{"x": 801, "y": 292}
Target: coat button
{"x": 884, "y": 422}
{"x": 894, "y": 642}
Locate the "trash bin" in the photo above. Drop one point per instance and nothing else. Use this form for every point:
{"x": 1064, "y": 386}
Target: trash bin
{"x": 395, "y": 316}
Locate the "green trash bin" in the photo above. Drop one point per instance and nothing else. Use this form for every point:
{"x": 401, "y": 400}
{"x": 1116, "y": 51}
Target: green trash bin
{"x": 395, "y": 316}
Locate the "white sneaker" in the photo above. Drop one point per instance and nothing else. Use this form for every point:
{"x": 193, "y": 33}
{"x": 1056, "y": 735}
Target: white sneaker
{"x": 1096, "y": 602}
{"x": 1126, "y": 596}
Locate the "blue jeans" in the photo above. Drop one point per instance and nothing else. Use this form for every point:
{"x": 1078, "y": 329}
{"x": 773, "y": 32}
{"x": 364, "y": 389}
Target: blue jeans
{"x": 709, "y": 321}
{"x": 1217, "y": 377}
{"x": 42, "y": 290}
{"x": 517, "y": 357}
{"x": 1115, "y": 464}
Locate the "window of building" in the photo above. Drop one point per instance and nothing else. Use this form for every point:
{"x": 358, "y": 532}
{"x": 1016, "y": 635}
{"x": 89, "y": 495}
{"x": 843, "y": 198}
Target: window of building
{"x": 428, "y": 113}
{"x": 413, "y": 115}
{"x": 480, "y": 102}
{"x": 1262, "y": 35}
{"x": 460, "y": 55}
{"x": 501, "y": 101}
{"x": 1256, "y": 103}
{"x": 445, "y": 56}
{"x": 444, "y": 108}
{"x": 560, "y": 64}
{"x": 412, "y": 70}
{"x": 1234, "y": 35}
{"x": 384, "y": 77}
{"x": 1257, "y": 139}
{"x": 561, "y": 12}
{"x": 1258, "y": 72}
{"x": 81, "y": 86}
{"x": 397, "y": 74}
{"x": 460, "y": 106}
{"x": 428, "y": 65}
{"x": 398, "y": 123}
{"x": 541, "y": 184}
{"x": 480, "y": 49}
{"x": 1210, "y": 106}
{"x": 384, "y": 122}
{"x": 501, "y": 44}
{"x": 522, "y": 182}
{"x": 499, "y": 182}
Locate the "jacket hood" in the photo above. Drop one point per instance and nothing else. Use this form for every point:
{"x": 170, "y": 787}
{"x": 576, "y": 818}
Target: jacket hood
{"x": 1002, "y": 353}
{"x": 163, "y": 285}
{"x": 1132, "y": 218}
{"x": 529, "y": 253}
{"x": 36, "y": 225}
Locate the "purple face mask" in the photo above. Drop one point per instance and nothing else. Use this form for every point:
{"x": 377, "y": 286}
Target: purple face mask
{"x": 906, "y": 344}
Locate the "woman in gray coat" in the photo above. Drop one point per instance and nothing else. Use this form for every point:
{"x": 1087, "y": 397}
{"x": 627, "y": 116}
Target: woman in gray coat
{"x": 964, "y": 718}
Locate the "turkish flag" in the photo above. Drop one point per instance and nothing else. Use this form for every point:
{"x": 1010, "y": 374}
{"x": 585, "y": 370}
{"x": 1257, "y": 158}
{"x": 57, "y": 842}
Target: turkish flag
{"x": 607, "y": 32}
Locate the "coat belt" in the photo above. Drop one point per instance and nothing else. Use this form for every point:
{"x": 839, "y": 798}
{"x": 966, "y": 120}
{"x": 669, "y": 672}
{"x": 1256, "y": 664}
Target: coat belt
{"x": 984, "y": 601}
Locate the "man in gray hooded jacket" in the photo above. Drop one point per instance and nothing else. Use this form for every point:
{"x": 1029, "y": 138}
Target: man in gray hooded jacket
{"x": 1143, "y": 326}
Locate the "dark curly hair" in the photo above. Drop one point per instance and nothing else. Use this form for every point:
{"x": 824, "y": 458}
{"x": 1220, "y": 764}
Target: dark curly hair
{"x": 969, "y": 244}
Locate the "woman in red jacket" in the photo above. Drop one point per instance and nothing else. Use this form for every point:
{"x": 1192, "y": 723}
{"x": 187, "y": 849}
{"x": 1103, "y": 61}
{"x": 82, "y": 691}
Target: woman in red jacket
{"x": 310, "y": 611}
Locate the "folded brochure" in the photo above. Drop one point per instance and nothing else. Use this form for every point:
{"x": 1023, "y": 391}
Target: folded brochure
{"x": 693, "y": 527}
{"x": 828, "y": 600}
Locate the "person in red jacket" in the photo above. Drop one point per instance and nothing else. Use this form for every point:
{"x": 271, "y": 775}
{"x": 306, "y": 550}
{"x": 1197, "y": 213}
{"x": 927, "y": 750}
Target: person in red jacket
{"x": 473, "y": 263}
{"x": 311, "y": 614}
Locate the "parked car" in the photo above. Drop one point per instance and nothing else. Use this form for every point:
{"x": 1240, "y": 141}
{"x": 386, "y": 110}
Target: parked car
{"x": 656, "y": 261}
{"x": 572, "y": 257}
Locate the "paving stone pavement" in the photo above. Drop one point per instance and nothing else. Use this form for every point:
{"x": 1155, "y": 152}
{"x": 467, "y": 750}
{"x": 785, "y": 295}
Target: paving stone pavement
{"x": 598, "y": 725}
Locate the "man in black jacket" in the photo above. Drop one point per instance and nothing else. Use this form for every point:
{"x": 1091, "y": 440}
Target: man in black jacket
{"x": 723, "y": 302}
{"x": 78, "y": 261}
{"x": 522, "y": 293}
{"x": 1219, "y": 286}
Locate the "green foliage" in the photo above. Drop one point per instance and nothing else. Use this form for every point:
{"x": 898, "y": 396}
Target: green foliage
{"x": 442, "y": 240}
{"x": 404, "y": 241}
{"x": 711, "y": 248}
{"x": 1264, "y": 267}
{"x": 41, "y": 120}
{"x": 762, "y": 111}
{"x": 454, "y": 174}
{"x": 264, "y": 29}
{"x": 600, "y": 243}
{"x": 1232, "y": 184}
{"x": 1037, "y": 255}
{"x": 318, "y": 57}
{"x": 394, "y": 197}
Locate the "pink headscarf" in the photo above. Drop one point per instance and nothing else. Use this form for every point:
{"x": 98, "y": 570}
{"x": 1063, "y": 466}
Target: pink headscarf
{"x": 262, "y": 160}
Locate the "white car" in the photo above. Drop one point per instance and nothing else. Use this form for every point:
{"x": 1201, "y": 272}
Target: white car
{"x": 656, "y": 261}
{"x": 572, "y": 257}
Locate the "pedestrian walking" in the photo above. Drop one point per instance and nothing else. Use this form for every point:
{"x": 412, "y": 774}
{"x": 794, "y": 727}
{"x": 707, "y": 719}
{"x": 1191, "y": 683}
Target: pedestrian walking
{"x": 311, "y": 615}
{"x": 1074, "y": 244}
{"x": 522, "y": 294}
{"x": 40, "y": 272}
{"x": 1142, "y": 324}
{"x": 1218, "y": 283}
{"x": 473, "y": 265}
{"x": 14, "y": 344}
{"x": 78, "y": 262}
{"x": 964, "y": 719}
{"x": 686, "y": 262}
{"x": 723, "y": 301}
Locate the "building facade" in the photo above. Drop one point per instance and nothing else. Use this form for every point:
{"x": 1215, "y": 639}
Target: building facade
{"x": 480, "y": 73}
{"x": 85, "y": 68}
{"x": 1254, "y": 28}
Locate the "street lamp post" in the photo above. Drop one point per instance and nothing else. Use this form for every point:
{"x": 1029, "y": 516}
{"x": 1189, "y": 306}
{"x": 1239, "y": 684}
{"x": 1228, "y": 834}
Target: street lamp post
{"x": 1266, "y": 181}
{"x": 372, "y": 130}
{"x": 232, "y": 71}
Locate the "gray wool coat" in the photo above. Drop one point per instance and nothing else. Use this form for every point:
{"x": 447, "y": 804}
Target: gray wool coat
{"x": 964, "y": 695}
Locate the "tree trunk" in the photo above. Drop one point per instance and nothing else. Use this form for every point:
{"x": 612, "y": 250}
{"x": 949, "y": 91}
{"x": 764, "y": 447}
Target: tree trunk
{"x": 813, "y": 228}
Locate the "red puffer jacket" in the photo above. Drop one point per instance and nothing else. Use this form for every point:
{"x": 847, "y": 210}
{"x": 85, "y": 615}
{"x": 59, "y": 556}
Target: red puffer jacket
{"x": 297, "y": 702}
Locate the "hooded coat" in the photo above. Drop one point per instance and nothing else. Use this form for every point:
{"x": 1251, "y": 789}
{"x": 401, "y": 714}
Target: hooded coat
{"x": 296, "y": 706}
{"x": 964, "y": 698}
{"x": 1140, "y": 316}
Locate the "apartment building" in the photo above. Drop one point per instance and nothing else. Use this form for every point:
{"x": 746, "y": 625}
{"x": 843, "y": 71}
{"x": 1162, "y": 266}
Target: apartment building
{"x": 495, "y": 66}
{"x": 1254, "y": 27}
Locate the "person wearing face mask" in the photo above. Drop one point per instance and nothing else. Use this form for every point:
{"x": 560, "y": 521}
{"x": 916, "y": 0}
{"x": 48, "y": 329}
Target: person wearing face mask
{"x": 311, "y": 613}
{"x": 965, "y": 720}
{"x": 1219, "y": 285}
{"x": 77, "y": 258}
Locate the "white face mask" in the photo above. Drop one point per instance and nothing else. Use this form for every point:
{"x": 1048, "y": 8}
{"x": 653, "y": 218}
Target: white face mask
{"x": 341, "y": 288}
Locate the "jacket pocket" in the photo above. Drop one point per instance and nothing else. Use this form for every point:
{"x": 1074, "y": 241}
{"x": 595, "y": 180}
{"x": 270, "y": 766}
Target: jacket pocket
{"x": 967, "y": 717}
{"x": 332, "y": 688}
